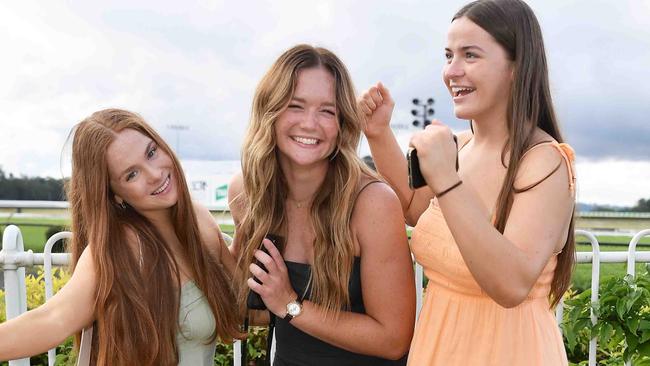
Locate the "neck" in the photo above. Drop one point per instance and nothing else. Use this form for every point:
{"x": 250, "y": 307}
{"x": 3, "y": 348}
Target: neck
{"x": 162, "y": 221}
{"x": 491, "y": 130}
{"x": 304, "y": 182}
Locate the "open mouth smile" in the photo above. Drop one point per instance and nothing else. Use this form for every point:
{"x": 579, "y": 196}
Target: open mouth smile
{"x": 305, "y": 140}
{"x": 163, "y": 187}
{"x": 461, "y": 91}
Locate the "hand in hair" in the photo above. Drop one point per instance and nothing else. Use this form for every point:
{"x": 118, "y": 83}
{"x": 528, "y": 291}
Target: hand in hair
{"x": 377, "y": 105}
{"x": 275, "y": 288}
{"x": 437, "y": 154}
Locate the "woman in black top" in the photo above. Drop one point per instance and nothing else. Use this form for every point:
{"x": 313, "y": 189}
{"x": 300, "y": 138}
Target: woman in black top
{"x": 340, "y": 284}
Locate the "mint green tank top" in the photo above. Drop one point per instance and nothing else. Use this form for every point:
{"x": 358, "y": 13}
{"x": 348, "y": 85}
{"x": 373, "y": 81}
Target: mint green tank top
{"x": 196, "y": 326}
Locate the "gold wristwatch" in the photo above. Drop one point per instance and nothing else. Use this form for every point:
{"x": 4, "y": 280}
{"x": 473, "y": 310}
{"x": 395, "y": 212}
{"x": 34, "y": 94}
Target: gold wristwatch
{"x": 294, "y": 309}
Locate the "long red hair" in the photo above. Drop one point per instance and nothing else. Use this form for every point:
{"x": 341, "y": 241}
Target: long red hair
{"x": 137, "y": 300}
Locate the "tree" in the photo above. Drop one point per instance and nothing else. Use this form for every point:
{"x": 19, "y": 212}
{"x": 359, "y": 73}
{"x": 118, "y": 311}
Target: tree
{"x": 643, "y": 205}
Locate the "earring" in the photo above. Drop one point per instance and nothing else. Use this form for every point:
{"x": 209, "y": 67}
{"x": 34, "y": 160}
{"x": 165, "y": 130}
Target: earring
{"x": 121, "y": 205}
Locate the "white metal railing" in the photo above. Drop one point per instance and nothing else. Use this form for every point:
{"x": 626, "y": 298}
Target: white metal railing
{"x": 14, "y": 259}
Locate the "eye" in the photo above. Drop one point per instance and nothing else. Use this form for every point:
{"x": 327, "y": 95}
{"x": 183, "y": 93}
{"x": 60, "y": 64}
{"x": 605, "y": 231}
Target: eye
{"x": 294, "y": 106}
{"x": 329, "y": 111}
{"x": 152, "y": 152}
{"x": 448, "y": 56}
{"x": 132, "y": 174}
{"x": 471, "y": 55}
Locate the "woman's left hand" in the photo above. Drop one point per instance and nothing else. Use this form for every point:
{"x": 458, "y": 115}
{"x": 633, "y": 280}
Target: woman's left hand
{"x": 275, "y": 288}
{"x": 437, "y": 155}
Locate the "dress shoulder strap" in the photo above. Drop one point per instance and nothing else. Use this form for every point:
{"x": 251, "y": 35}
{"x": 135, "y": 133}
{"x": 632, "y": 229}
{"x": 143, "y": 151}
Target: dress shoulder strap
{"x": 566, "y": 152}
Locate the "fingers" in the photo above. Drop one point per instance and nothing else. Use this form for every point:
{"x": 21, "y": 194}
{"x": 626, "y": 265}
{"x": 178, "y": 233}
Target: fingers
{"x": 275, "y": 255}
{"x": 266, "y": 260}
{"x": 258, "y": 272}
{"x": 384, "y": 91}
{"x": 253, "y": 285}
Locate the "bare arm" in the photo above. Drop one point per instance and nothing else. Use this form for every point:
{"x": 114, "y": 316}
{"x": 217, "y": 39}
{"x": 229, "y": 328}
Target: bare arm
{"x": 377, "y": 105}
{"x": 386, "y": 273}
{"x": 66, "y": 313}
{"x": 212, "y": 237}
{"x": 507, "y": 265}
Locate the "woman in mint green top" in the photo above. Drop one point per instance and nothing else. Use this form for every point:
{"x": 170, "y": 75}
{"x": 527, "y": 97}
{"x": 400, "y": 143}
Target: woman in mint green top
{"x": 151, "y": 269}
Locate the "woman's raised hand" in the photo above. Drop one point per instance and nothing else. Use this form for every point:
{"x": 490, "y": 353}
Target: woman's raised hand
{"x": 275, "y": 288}
{"x": 437, "y": 155}
{"x": 376, "y": 104}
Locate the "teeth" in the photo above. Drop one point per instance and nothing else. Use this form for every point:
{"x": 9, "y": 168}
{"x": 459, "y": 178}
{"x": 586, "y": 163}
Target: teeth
{"x": 306, "y": 141}
{"x": 163, "y": 187}
{"x": 458, "y": 89}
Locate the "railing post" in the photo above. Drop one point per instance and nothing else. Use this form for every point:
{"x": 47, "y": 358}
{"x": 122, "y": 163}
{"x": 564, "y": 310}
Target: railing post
{"x": 14, "y": 277}
{"x": 49, "y": 281}
{"x": 595, "y": 283}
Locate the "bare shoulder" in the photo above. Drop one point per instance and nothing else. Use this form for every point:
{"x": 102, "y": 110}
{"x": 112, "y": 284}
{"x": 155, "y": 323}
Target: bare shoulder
{"x": 236, "y": 196}
{"x": 208, "y": 229}
{"x": 376, "y": 200}
{"x": 543, "y": 161}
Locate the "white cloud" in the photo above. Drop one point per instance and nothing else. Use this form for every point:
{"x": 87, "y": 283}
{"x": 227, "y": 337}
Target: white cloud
{"x": 198, "y": 64}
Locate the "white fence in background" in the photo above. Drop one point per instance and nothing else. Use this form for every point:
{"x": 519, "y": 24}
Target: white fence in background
{"x": 14, "y": 259}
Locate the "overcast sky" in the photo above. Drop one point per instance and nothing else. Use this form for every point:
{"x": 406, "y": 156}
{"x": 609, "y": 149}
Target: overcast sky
{"x": 197, "y": 64}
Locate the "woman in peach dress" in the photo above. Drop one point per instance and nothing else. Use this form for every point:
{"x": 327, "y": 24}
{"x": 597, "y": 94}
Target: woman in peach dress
{"x": 495, "y": 237}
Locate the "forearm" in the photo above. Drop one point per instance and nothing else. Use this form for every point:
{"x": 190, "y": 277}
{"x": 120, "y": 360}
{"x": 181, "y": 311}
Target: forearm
{"x": 359, "y": 333}
{"x": 391, "y": 164}
{"x": 31, "y": 333}
{"x": 501, "y": 269}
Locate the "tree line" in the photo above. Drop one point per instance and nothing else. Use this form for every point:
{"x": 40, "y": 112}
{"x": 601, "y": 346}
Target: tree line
{"x": 30, "y": 188}
{"x": 50, "y": 189}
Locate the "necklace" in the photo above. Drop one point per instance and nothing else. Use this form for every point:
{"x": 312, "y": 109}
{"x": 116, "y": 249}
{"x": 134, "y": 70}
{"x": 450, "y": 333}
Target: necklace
{"x": 302, "y": 203}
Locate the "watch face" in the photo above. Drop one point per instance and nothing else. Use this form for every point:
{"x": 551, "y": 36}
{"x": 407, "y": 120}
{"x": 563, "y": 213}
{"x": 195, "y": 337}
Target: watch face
{"x": 293, "y": 309}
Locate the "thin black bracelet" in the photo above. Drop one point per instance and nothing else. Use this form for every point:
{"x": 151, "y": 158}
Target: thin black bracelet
{"x": 449, "y": 189}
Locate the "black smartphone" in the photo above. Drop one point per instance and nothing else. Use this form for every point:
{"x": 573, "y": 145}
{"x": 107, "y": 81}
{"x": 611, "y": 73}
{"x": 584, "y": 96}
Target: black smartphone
{"x": 254, "y": 300}
{"x": 416, "y": 179}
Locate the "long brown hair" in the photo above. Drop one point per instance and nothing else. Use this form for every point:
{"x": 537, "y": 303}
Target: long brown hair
{"x": 265, "y": 188}
{"x": 137, "y": 300}
{"x": 514, "y": 26}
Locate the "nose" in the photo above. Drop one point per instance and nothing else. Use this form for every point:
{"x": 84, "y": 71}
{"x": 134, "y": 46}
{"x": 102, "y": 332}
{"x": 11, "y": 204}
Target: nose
{"x": 454, "y": 69}
{"x": 310, "y": 119}
{"x": 153, "y": 174}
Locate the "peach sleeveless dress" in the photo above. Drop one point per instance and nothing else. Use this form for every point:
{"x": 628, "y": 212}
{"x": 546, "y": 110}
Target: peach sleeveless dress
{"x": 460, "y": 325}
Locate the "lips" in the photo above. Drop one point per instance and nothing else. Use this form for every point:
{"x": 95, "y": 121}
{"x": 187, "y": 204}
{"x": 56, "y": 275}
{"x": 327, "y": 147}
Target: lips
{"x": 162, "y": 187}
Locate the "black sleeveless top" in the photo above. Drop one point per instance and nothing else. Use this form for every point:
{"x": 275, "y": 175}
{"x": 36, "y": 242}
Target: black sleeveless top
{"x": 296, "y": 348}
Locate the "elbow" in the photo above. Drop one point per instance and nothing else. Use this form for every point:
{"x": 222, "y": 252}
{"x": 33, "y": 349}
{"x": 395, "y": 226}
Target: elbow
{"x": 511, "y": 296}
{"x": 396, "y": 353}
{"x": 397, "y": 345}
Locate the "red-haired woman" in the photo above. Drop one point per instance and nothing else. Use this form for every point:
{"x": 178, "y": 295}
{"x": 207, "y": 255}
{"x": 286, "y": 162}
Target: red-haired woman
{"x": 151, "y": 269}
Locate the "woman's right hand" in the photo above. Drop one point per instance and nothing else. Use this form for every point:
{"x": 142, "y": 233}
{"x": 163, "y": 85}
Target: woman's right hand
{"x": 377, "y": 105}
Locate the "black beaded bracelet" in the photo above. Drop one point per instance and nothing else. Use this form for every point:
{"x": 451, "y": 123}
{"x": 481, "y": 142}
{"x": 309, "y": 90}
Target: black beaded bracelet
{"x": 449, "y": 189}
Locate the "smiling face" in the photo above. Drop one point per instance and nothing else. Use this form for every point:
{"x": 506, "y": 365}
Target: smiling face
{"x": 478, "y": 72}
{"x": 307, "y": 128}
{"x": 141, "y": 174}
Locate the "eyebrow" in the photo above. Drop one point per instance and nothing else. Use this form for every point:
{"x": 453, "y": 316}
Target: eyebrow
{"x": 466, "y": 48}
{"x": 146, "y": 151}
{"x": 301, "y": 100}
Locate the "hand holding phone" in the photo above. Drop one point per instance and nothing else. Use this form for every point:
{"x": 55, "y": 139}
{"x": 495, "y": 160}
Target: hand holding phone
{"x": 416, "y": 179}
{"x": 254, "y": 300}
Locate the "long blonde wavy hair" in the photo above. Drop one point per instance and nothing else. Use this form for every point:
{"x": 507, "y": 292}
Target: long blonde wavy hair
{"x": 265, "y": 188}
{"x": 137, "y": 300}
